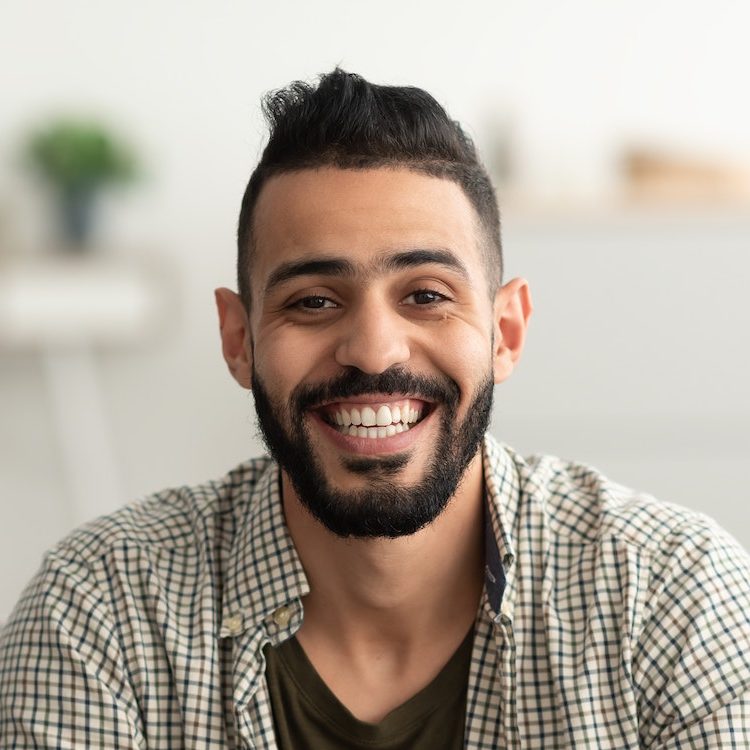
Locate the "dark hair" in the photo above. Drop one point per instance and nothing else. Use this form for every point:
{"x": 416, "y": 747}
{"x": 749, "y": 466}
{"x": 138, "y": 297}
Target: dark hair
{"x": 350, "y": 123}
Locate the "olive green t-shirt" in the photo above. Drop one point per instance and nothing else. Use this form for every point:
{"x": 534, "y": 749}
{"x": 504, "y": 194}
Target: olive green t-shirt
{"x": 307, "y": 714}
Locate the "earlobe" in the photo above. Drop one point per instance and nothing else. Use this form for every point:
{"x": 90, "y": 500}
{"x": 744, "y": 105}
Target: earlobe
{"x": 235, "y": 335}
{"x": 512, "y": 310}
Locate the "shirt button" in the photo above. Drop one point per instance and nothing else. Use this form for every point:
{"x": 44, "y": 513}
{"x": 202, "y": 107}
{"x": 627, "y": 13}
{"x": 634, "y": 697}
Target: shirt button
{"x": 282, "y": 616}
{"x": 233, "y": 624}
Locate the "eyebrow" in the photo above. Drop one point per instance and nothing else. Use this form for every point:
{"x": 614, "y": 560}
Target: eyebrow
{"x": 315, "y": 267}
{"x": 337, "y": 266}
{"x": 412, "y": 258}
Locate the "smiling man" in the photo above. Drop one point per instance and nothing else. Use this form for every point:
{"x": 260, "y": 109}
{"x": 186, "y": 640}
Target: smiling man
{"x": 391, "y": 577}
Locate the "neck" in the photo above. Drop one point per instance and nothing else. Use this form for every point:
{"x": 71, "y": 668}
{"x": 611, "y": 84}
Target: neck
{"x": 394, "y": 591}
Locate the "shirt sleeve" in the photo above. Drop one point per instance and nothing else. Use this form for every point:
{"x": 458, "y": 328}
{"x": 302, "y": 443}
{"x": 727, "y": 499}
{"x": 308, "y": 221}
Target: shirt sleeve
{"x": 62, "y": 678}
{"x": 727, "y": 727}
{"x": 692, "y": 661}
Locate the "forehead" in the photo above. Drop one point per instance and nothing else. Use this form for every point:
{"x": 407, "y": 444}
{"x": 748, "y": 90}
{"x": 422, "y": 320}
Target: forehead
{"x": 361, "y": 215}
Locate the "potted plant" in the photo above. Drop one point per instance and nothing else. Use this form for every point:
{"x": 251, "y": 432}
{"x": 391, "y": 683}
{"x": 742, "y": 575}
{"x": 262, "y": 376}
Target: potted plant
{"x": 77, "y": 159}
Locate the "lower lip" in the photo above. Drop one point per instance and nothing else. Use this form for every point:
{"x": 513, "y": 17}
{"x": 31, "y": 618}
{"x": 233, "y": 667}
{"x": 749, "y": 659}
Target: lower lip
{"x": 372, "y": 446}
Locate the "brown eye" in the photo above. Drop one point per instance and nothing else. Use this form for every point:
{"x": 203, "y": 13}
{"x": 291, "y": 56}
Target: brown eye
{"x": 314, "y": 302}
{"x": 425, "y": 297}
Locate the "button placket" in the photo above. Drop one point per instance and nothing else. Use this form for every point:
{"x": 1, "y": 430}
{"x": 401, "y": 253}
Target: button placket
{"x": 507, "y": 647}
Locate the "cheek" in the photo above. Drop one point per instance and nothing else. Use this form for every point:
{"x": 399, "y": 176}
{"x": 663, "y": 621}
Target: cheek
{"x": 465, "y": 356}
{"x": 284, "y": 359}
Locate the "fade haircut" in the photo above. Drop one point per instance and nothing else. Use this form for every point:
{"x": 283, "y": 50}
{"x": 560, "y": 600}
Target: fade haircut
{"x": 350, "y": 123}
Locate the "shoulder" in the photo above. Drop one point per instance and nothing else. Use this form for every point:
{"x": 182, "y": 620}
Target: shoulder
{"x": 171, "y": 519}
{"x": 582, "y": 505}
{"x": 155, "y": 544}
{"x": 586, "y": 515}
{"x": 583, "y": 512}
{"x": 153, "y": 554}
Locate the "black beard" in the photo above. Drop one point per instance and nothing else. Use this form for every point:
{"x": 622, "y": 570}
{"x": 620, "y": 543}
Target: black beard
{"x": 384, "y": 508}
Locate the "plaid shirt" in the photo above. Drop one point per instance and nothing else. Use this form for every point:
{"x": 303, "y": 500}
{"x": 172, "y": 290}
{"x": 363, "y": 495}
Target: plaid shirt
{"x": 609, "y": 620}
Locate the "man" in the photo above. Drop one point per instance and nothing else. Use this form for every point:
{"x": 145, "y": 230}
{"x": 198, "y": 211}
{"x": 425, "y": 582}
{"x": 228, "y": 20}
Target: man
{"x": 392, "y": 578}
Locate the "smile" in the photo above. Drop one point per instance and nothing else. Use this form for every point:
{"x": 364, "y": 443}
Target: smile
{"x": 374, "y": 420}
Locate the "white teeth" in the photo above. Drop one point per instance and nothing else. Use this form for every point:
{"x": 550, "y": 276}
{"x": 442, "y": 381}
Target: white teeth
{"x": 405, "y": 413}
{"x": 402, "y": 415}
{"x": 384, "y": 416}
{"x": 367, "y": 423}
{"x": 369, "y": 419}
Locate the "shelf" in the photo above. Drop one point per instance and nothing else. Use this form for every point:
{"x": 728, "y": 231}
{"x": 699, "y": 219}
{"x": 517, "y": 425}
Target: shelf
{"x": 63, "y": 302}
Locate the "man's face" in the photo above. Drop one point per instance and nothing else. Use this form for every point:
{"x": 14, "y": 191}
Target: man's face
{"x": 371, "y": 341}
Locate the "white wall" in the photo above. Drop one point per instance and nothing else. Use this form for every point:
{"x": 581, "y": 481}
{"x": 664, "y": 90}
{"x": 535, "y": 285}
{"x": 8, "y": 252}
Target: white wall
{"x": 637, "y": 354}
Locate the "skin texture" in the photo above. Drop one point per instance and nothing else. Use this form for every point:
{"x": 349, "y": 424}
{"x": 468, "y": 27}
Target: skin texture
{"x": 370, "y": 619}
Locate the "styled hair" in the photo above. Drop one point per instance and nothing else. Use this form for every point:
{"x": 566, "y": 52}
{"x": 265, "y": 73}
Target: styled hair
{"x": 350, "y": 123}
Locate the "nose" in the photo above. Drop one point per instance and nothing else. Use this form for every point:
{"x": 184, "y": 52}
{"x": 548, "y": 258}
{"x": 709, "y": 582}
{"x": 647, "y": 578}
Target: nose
{"x": 373, "y": 338}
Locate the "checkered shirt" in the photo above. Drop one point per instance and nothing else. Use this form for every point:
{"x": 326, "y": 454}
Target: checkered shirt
{"x": 608, "y": 620}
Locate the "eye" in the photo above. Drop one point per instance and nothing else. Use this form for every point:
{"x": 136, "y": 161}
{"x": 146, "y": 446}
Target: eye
{"x": 425, "y": 297}
{"x": 313, "y": 302}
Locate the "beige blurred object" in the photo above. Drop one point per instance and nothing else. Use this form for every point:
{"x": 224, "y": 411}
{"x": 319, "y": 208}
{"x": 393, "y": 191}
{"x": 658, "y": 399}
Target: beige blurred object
{"x": 62, "y": 301}
{"x": 656, "y": 176}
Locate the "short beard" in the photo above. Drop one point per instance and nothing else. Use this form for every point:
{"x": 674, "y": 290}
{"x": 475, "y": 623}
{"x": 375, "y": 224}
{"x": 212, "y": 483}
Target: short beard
{"x": 384, "y": 508}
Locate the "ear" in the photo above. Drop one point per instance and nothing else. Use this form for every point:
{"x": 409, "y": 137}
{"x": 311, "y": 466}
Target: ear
{"x": 512, "y": 309}
{"x": 235, "y": 335}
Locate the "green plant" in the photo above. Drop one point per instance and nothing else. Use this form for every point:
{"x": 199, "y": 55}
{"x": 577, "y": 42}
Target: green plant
{"x": 76, "y": 155}
{"x": 77, "y": 159}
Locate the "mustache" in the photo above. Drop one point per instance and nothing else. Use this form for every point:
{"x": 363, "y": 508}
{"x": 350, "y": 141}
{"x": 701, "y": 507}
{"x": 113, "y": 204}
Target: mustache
{"x": 353, "y": 382}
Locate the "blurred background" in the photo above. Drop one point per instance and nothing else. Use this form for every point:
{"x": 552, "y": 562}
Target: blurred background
{"x": 619, "y": 136}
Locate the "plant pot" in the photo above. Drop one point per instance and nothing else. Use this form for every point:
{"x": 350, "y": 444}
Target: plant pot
{"x": 76, "y": 205}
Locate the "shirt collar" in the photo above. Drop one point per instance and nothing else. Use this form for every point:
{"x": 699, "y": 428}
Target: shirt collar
{"x": 264, "y": 571}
